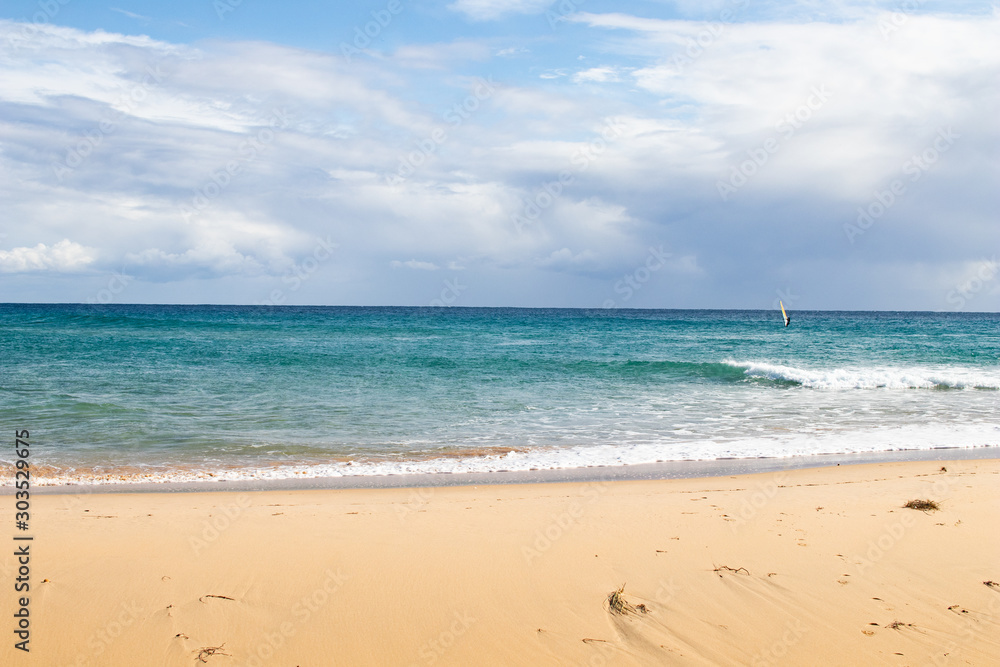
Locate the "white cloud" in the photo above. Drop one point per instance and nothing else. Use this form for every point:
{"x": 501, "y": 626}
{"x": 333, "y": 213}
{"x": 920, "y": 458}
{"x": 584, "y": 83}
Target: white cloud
{"x": 683, "y": 126}
{"x": 440, "y": 56}
{"x": 208, "y": 260}
{"x": 686, "y": 264}
{"x": 414, "y": 264}
{"x": 512, "y": 51}
{"x": 566, "y": 260}
{"x": 131, "y": 15}
{"x": 670, "y": 30}
{"x": 220, "y": 245}
{"x": 488, "y": 10}
{"x": 887, "y": 93}
{"x": 597, "y": 75}
{"x": 62, "y": 257}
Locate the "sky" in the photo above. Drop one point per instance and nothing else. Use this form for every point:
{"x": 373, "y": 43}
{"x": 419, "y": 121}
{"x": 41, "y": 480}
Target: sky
{"x": 578, "y": 153}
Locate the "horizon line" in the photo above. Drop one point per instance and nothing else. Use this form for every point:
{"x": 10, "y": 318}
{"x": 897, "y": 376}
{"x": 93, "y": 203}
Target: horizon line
{"x": 467, "y": 307}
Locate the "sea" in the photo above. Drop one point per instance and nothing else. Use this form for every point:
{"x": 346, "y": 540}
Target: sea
{"x": 154, "y": 393}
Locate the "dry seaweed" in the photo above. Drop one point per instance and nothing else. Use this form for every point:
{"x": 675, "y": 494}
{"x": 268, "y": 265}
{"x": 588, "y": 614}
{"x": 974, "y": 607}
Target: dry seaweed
{"x": 922, "y": 505}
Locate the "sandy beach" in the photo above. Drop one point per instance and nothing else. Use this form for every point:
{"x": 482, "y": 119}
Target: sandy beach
{"x": 813, "y": 566}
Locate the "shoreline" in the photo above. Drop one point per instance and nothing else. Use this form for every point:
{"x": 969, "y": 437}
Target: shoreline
{"x": 645, "y": 471}
{"x": 771, "y": 568}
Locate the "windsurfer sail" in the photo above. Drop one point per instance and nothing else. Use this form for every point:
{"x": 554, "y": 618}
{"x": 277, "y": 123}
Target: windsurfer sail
{"x": 784, "y": 314}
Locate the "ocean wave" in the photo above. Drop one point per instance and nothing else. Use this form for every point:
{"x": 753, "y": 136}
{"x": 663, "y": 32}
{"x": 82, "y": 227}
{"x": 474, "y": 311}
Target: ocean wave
{"x": 849, "y": 441}
{"x": 870, "y": 378}
{"x": 685, "y": 369}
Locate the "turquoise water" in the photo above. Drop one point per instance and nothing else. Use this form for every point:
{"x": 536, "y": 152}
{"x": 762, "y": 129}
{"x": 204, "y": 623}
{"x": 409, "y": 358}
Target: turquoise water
{"x": 181, "y": 392}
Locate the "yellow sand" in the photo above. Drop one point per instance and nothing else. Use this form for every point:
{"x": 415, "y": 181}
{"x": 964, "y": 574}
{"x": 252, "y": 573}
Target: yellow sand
{"x": 822, "y": 562}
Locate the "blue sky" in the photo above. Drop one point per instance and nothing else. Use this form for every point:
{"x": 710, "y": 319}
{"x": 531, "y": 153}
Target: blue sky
{"x": 501, "y": 152}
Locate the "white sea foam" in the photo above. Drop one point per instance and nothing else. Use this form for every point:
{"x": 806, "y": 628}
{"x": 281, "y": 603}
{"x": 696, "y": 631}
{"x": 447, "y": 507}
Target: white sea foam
{"x": 872, "y": 378}
{"x": 915, "y": 437}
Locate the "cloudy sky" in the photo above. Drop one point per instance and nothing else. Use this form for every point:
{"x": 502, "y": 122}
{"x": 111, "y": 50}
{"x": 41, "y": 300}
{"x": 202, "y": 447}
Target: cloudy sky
{"x": 717, "y": 154}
